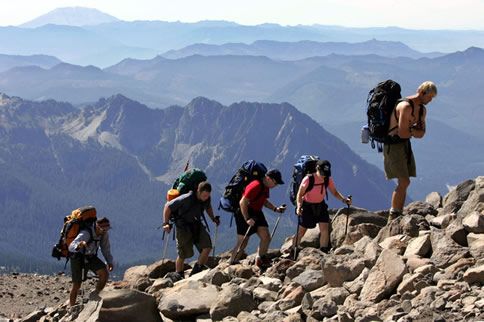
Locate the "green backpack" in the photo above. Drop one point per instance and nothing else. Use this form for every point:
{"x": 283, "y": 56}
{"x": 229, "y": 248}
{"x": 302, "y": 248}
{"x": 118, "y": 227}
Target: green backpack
{"x": 189, "y": 180}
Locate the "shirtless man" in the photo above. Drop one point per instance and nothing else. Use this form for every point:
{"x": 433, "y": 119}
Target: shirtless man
{"x": 407, "y": 121}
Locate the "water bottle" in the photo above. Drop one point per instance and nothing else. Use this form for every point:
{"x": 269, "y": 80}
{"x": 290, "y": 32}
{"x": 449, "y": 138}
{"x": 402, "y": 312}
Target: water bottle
{"x": 365, "y": 134}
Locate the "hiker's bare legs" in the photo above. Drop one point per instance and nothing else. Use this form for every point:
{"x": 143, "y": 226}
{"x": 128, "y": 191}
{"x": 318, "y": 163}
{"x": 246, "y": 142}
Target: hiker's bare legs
{"x": 203, "y": 258}
{"x": 323, "y": 234}
{"x": 179, "y": 263}
{"x": 102, "y": 275}
{"x": 300, "y": 234}
{"x": 265, "y": 240}
{"x": 73, "y": 295}
{"x": 240, "y": 239}
{"x": 400, "y": 193}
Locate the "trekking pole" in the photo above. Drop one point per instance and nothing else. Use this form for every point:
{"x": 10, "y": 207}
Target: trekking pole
{"x": 166, "y": 240}
{"x": 214, "y": 241}
{"x": 297, "y": 239}
{"x": 347, "y": 215}
{"x": 240, "y": 246}
{"x": 277, "y": 222}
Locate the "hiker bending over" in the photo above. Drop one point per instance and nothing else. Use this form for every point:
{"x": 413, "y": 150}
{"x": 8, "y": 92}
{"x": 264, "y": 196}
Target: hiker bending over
{"x": 254, "y": 198}
{"x": 407, "y": 121}
{"x": 188, "y": 209}
{"x": 311, "y": 207}
{"x": 84, "y": 257}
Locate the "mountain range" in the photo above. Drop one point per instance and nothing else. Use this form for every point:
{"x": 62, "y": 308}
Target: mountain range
{"x": 122, "y": 156}
{"x": 106, "y": 43}
{"x": 332, "y": 90}
{"x": 301, "y": 49}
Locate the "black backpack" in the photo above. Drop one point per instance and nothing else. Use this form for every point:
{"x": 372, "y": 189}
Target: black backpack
{"x": 304, "y": 166}
{"x": 248, "y": 172}
{"x": 381, "y": 103}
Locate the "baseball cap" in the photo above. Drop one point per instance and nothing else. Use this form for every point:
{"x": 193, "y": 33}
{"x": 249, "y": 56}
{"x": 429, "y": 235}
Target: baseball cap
{"x": 275, "y": 175}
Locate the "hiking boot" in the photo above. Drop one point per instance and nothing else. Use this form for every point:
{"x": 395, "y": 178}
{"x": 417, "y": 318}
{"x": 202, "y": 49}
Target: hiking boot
{"x": 263, "y": 262}
{"x": 175, "y": 276}
{"x": 325, "y": 250}
{"x": 197, "y": 268}
{"x": 394, "y": 214}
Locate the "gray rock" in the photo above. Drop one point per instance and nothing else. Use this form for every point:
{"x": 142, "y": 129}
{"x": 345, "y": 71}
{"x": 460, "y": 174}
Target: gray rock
{"x": 434, "y": 199}
{"x": 231, "y": 301}
{"x": 475, "y": 275}
{"x": 475, "y": 200}
{"x": 263, "y": 294}
{"x": 355, "y": 286}
{"x": 454, "y": 200}
{"x": 142, "y": 284}
{"x": 323, "y": 308}
{"x": 419, "y": 246}
{"x": 445, "y": 251}
{"x": 32, "y": 317}
{"x": 360, "y": 223}
{"x": 457, "y": 232}
{"x": 132, "y": 274}
{"x": 339, "y": 269}
{"x": 397, "y": 243}
{"x": 310, "y": 279}
{"x": 246, "y": 316}
{"x": 216, "y": 277}
{"x": 476, "y": 245}
{"x": 420, "y": 208}
{"x": 128, "y": 305}
{"x": 443, "y": 221}
{"x": 384, "y": 277}
{"x": 188, "y": 298}
{"x": 159, "y": 284}
{"x": 160, "y": 268}
{"x": 474, "y": 222}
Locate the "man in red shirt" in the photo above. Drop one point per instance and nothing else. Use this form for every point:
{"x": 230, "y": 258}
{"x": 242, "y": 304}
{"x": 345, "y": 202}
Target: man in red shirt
{"x": 254, "y": 198}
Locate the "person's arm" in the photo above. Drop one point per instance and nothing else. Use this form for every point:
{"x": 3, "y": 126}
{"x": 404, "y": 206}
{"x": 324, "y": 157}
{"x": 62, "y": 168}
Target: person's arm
{"x": 299, "y": 198}
{"x": 337, "y": 194}
{"x": 106, "y": 250}
{"x": 404, "y": 112}
{"x": 80, "y": 242}
{"x": 418, "y": 129}
{"x": 166, "y": 217}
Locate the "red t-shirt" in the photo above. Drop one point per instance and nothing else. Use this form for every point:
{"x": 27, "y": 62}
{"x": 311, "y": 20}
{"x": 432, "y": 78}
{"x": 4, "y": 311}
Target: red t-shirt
{"x": 256, "y": 196}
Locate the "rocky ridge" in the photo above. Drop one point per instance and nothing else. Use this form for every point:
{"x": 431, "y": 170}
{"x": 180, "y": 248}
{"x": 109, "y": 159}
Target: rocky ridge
{"x": 424, "y": 266}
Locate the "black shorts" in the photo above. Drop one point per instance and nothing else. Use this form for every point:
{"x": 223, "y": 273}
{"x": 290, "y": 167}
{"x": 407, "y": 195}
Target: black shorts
{"x": 242, "y": 226}
{"x": 92, "y": 263}
{"x": 313, "y": 213}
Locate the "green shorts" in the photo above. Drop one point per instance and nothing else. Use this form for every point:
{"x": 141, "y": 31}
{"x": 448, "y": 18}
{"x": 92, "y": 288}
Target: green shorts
{"x": 399, "y": 161}
{"x": 187, "y": 237}
{"x": 92, "y": 263}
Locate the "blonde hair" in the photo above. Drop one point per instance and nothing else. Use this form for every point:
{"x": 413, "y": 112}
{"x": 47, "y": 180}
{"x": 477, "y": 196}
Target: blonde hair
{"x": 427, "y": 87}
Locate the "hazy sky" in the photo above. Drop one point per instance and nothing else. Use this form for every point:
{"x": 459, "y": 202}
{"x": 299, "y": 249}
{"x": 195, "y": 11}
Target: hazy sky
{"x": 427, "y": 14}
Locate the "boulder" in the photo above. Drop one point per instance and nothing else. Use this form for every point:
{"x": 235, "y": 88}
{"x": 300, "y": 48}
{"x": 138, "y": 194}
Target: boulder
{"x": 474, "y": 222}
{"x": 310, "y": 279}
{"x": 445, "y": 251}
{"x": 187, "y": 299}
{"x": 434, "y": 199}
{"x": 454, "y": 200}
{"x": 370, "y": 224}
{"x": 384, "y": 277}
{"x": 397, "y": 243}
{"x": 475, "y": 275}
{"x": 231, "y": 301}
{"x": 420, "y": 208}
{"x": 419, "y": 246}
{"x": 160, "y": 268}
{"x": 132, "y": 274}
{"x": 339, "y": 269}
{"x": 128, "y": 305}
{"x": 476, "y": 245}
{"x": 475, "y": 200}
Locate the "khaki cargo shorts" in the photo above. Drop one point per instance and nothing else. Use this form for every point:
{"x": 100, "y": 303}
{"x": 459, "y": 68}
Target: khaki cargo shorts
{"x": 399, "y": 161}
{"x": 186, "y": 238}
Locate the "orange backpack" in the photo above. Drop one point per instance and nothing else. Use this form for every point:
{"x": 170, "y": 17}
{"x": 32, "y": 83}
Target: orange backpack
{"x": 79, "y": 218}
